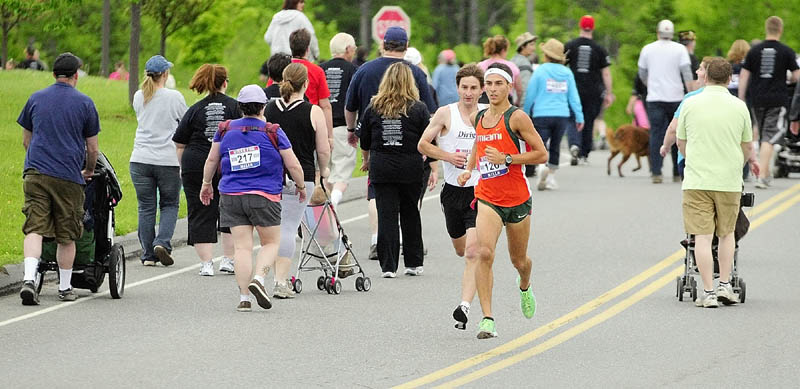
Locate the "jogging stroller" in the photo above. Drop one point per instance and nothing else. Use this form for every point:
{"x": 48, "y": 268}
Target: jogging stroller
{"x": 687, "y": 282}
{"x": 96, "y": 253}
{"x": 325, "y": 247}
{"x": 787, "y": 159}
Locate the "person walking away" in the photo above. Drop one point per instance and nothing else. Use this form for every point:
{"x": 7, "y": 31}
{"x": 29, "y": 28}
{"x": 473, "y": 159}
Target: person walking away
{"x": 154, "y": 166}
{"x": 288, "y": 20}
{"x": 590, "y": 65}
{"x": 736, "y": 55}
{"x": 502, "y": 193}
{"x": 496, "y": 50}
{"x": 637, "y": 104}
{"x": 550, "y": 97}
{"x": 252, "y": 155}
{"x": 526, "y": 47}
{"x": 764, "y": 76}
{"x": 455, "y": 137}
{"x": 363, "y": 87}
{"x": 665, "y": 69}
{"x": 714, "y": 132}
{"x": 338, "y": 73}
{"x": 59, "y": 134}
{"x": 193, "y": 139}
{"x": 390, "y": 131}
{"x": 119, "y": 73}
{"x": 32, "y": 61}
{"x": 304, "y": 125}
{"x": 275, "y": 66}
{"x": 444, "y": 78}
{"x": 689, "y": 40}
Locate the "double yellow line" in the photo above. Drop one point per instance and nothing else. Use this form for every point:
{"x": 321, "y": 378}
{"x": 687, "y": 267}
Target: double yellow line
{"x": 587, "y": 308}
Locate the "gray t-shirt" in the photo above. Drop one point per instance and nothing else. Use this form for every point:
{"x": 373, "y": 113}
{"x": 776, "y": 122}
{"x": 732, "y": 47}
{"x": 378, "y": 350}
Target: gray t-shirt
{"x": 158, "y": 120}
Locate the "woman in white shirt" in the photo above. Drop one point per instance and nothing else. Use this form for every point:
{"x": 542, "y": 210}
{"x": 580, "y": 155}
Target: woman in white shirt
{"x": 154, "y": 167}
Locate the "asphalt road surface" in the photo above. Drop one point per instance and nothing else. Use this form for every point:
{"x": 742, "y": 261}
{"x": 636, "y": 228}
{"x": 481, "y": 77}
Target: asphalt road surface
{"x": 606, "y": 253}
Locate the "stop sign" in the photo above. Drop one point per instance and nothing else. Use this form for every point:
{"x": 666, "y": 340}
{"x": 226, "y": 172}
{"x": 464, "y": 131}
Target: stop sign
{"x": 389, "y": 16}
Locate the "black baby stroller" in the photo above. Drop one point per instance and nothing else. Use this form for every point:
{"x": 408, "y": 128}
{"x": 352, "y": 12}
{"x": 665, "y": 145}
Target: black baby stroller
{"x": 687, "y": 282}
{"x": 324, "y": 242}
{"x": 96, "y": 253}
{"x": 787, "y": 159}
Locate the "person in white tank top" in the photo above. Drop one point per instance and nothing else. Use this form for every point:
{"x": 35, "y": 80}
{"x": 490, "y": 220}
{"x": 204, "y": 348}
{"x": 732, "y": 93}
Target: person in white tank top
{"x": 455, "y": 136}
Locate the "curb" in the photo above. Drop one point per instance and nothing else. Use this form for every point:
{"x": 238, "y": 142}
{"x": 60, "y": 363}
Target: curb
{"x": 11, "y": 282}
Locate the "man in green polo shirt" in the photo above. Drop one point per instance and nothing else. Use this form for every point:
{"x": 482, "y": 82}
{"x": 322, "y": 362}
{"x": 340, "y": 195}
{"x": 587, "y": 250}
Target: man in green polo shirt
{"x": 715, "y": 135}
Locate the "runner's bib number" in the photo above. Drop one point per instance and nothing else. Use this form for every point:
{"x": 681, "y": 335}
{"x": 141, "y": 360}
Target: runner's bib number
{"x": 555, "y": 86}
{"x": 245, "y": 158}
{"x": 489, "y": 170}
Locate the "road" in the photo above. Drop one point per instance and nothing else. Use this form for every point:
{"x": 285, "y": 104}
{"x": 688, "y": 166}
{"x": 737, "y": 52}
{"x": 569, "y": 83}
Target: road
{"x": 605, "y": 250}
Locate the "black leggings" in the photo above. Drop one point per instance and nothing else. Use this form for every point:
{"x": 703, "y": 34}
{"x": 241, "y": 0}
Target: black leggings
{"x": 393, "y": 199}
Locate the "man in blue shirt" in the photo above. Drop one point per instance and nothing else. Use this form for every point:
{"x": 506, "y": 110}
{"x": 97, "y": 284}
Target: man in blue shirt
{"x": 60, "y": 127}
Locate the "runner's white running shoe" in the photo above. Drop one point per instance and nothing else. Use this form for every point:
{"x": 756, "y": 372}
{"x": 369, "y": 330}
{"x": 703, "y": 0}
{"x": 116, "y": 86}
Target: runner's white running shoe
{"x": 226, "y": 265}
{"x": 207, "y": 269}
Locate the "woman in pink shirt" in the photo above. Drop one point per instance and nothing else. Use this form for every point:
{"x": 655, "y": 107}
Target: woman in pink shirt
{"x": 496, "y": 50}
{"x": 119, "y": 72}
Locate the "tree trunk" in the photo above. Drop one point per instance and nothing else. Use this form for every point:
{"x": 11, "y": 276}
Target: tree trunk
{"x": 5, "y": 47}
{"x": 366, "y": 23}
{"x": 461, "y": 19}
{"x": 105, "y": 59}
{"x": 163, "y": 50}
{"x": 529, "y": 8}
{"x": 136, "y": 18}
{"x": 473, "y": 22}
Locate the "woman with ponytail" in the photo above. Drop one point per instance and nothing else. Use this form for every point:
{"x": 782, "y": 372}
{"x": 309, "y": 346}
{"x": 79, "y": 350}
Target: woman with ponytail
{"x": 193, "y": 140}
{"x": 495, "y": 49}
{"x": 304, "y": 124}
{"x": 155, "y": 171}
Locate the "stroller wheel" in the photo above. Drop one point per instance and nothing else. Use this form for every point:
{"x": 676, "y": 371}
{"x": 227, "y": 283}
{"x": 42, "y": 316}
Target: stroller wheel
{"x": 679, "y": 293}
{"x": 360, "y": 283}
{"x": 116, "y": 271}
{"x": 321, "y": 283}
{"x": 693, "y": 283}
{"x": 297, "y": 285}
{"x": 742, "y": 290}
{"x": 329, "y": 285}
{"x": 337, "y": 287}
{"x": 366, "y": 284}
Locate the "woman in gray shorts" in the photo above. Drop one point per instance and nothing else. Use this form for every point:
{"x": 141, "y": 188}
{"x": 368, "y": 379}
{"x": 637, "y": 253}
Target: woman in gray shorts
{"x": 252, "y": 154}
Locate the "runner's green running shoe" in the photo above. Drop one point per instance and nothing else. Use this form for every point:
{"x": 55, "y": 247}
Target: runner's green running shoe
{"x": 486, "y": 329}
{"x": 527, "y": 301}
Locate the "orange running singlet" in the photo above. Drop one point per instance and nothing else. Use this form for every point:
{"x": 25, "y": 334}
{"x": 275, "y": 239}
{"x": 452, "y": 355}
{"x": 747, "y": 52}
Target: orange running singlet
{"x": 501, "y": 185}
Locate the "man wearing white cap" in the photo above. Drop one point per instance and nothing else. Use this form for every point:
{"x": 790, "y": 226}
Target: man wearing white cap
{"x": 665, "y": 68}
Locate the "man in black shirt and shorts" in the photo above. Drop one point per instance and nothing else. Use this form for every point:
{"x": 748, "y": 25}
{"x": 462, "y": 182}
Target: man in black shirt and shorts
{"x": 338, "y": 72}
{"x": 589, "y": 63}
{"x": 764, "y": 76}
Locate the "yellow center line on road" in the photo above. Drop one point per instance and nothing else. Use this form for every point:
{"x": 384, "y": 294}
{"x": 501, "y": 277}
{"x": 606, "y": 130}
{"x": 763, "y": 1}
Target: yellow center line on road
{"x": 570, "y": 333}
{"x": 597, "y": 302}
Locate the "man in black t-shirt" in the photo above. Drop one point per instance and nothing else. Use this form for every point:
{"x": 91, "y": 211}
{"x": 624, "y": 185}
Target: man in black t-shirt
{"x": 589, "y": 63}
{"x": 31, "y": 60}
{"x": 275, "y": 65}
{"x": 338, "y": 73}
{"x": 763, "y": 74}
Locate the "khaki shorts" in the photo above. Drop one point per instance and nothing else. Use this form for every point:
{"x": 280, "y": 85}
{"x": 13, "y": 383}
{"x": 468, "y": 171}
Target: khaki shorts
{"x": 513, "y": 214}
{"x": 343, "y": 158}
{"x": 706, "y": 212}
{"x": 53, "y": 207}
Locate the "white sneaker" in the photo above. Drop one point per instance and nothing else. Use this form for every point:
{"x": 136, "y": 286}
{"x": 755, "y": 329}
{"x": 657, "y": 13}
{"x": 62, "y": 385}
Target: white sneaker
{"x": 207, "y": 269}
{"x": 226, "y": 265}
{"x": 726, "y": 296}
{"x": 414, "y": 271}
{"x": 542, "y": 171}
{"x": 389, "y": 274}
{"x": 551, "y": 183}
{"x": 707, "y": 300}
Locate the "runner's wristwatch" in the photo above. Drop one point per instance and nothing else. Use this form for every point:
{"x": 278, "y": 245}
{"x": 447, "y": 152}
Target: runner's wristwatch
{"x": 351, "y": 130}
{"x": 508, "y": 159}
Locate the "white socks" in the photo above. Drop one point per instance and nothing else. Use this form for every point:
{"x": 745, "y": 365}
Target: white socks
{"x": 244, "y": 297}
{"x": 31, "y": 266}
{"x": 336, "y": 196}
{"x": 465, "y": 304}
{"x": 65, "y": 279}
{"x": 259, "y": 279}
{"x": 374, "y": 239}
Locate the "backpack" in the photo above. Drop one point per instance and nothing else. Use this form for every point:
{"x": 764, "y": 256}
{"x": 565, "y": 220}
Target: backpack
{"x": 271, "y": 129}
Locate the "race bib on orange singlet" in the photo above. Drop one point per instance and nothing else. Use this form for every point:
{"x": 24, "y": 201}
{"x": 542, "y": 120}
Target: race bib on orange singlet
{"x": 245, "y": 158}
{"x": 489, "y": 170}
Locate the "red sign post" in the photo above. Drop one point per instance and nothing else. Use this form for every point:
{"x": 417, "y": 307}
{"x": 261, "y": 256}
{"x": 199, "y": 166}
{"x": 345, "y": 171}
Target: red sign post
{"x": 389, "y": 16}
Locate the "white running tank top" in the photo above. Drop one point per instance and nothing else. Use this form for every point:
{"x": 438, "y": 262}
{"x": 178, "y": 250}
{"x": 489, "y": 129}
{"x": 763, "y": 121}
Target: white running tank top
{"x": 459, "y": 137}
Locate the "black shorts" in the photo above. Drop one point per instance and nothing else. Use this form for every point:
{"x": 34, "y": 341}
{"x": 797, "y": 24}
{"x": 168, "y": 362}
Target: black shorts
{"x": 458, "y": 215}
{"x": 249, "y": 210}
{"x": 771, "y": 122}
{"x": 203, "y": 220}
{"x": 370, "y": 191}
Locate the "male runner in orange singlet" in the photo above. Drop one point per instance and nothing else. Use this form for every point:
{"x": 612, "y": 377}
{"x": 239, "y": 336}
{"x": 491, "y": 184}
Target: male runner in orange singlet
{"x": 503, "y": 195}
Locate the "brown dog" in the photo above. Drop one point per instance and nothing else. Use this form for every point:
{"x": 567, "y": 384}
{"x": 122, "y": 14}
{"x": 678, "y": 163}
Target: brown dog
{"x": 628, "y": 139}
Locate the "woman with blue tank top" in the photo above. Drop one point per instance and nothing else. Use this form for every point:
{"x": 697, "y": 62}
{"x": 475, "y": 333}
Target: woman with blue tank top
{"x": 550, "y": 96}
{"x": 252, "y": 155}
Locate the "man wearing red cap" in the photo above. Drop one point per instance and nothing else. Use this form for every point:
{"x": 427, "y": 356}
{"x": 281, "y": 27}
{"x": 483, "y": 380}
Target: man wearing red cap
{"x": 589, "y": 63}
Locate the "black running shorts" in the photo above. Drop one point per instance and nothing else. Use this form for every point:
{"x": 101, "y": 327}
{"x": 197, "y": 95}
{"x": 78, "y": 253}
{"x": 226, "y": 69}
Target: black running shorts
{"x": 458, "y": 215}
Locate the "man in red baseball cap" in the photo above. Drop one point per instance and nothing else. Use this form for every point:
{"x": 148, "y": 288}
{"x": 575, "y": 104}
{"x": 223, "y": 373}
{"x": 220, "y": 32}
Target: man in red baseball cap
{"x": 589, "y": 63}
